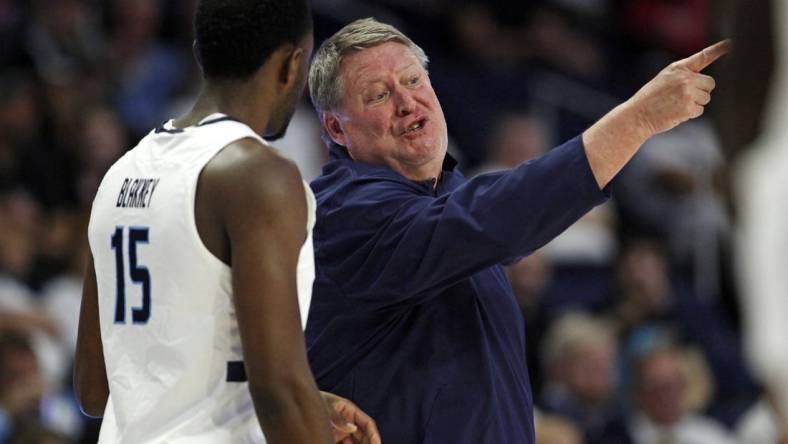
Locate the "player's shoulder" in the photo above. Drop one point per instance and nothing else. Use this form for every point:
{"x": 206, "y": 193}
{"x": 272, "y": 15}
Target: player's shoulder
{"x": 254, "y": 169}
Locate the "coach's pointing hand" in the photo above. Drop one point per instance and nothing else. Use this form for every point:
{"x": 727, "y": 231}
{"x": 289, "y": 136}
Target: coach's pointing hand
{"x": 678, "y": 93}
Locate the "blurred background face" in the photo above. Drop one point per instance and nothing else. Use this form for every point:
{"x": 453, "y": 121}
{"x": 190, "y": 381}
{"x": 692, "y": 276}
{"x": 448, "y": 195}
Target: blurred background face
{"x": 529, "y": 277}
{"x": 61, "y": 17}
{"x": 104, "y": 140}
{"x": 589, "y": 371}
{"x": 282, "y": 114}
{"x": 643, "y": 275}
{"x": 20, "y": 225}
{"x": 17, "y": 362}
{"x": 18, "y": 108}
{"x": 21, "y": 385}
{"x": 389, "y": 113}
{"x": 519, "y": 137}
{"x": 662, "y": 388}
{"x": 139, "y": 19}
{"x": 553, "y": 429}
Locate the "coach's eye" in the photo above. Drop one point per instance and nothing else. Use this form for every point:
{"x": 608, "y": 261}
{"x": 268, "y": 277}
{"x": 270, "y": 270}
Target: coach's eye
{"x": 379, "y": 96}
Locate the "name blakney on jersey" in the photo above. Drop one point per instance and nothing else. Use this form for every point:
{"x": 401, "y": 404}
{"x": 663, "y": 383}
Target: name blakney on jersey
{"x": 136, "y": 193}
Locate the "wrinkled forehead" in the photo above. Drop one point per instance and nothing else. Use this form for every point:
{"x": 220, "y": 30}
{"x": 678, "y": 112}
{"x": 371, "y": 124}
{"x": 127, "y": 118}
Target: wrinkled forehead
{"x": 363, "y": 64}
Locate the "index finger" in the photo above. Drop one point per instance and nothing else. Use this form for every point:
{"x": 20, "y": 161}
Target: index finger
{"x": 706, "y": 57}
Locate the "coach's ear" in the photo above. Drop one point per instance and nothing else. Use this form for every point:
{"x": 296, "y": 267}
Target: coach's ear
{"x": 333, "y": 124}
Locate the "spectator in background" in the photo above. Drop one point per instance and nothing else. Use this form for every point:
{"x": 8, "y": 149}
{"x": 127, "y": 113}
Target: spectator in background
{"x": 660, "y": 396}
{"x": 530, "y": 278}
{"x": 102, "y": 140}
{"x": 38, "y": 435}
{"x": 148, "y": 72}
{"x": 21, "y": 224}
{"x": 61, "y": 293}
{"x": 21, "y": 384}
{"x": 65, "y": 39}
{"x": 643, "y": 290}
{"x": 513, "y": 33}
{"x": 646, "y": 339}
{"x": 27, "y": 161}
{"x": 553, "y": 429}
{"x": 580, "y": 359}
{"x": 19, "y": 108}
{"x": 67, "y": 104}
{"x": 27, "y": 401}
{"x": 523, "y": 52}
{"x": 21, "y": 310}
{"x": 647, "y": 296}
{"x": 679, "y": 172}
{"x": 516, "y": 137}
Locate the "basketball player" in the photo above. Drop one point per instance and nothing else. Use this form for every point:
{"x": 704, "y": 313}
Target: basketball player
{"x": 758, "y": 139}
{"x": 202, "y": 258}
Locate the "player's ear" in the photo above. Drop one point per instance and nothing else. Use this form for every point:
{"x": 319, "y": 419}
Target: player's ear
{"x": 290, "y": 71}
{"x": 333, "y": 127}
{"x": 196, "y": 54}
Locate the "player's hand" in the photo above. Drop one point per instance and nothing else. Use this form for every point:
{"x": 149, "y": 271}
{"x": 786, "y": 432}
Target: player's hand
{"x": 349, "y": 423}
{"x": 679, "y": 92}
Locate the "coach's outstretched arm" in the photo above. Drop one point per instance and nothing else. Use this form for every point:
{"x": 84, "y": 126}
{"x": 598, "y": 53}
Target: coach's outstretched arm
{"x": 678, "y": 93}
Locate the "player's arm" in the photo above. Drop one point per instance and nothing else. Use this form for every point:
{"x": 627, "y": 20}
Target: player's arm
{"x": 263, "y": 210}
{"x": 678, "y": 93}
{"x": 90, "y": 374}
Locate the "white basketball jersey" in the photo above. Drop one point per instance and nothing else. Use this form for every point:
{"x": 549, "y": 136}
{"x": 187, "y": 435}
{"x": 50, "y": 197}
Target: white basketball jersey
{"x": 170, "y": 337}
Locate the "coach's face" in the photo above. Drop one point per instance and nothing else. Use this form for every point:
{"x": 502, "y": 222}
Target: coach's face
{"x": 388, "y": 113}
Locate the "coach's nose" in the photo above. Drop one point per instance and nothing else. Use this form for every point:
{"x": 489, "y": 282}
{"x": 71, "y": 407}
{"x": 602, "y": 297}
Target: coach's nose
{"x": 406, "y": 104}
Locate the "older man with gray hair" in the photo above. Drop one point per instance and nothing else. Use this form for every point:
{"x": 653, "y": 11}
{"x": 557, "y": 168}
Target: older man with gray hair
{"x": 412, "y": 316}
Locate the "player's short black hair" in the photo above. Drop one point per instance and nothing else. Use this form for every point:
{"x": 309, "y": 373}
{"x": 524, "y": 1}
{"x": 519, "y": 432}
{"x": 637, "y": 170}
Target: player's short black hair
{"x": 236, "y": 37}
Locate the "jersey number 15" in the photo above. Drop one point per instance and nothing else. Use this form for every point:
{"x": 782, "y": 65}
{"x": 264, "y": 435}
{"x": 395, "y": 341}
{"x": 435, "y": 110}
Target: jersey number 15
{"x": 139, "y": 275}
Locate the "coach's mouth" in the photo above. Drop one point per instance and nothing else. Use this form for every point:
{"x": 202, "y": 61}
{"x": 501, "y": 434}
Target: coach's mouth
{"x": 415, "y": 127}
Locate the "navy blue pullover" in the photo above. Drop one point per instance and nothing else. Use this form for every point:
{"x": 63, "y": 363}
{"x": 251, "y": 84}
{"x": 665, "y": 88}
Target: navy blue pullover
{"x": 412, "y": 316}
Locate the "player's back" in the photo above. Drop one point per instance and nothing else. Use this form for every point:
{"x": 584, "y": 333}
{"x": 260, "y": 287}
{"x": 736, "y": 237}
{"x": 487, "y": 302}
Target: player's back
{"x": 170, "y": 338}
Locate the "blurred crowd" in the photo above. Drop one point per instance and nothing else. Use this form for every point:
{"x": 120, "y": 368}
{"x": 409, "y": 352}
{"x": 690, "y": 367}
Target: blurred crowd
{"x": 632, "y": 315}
